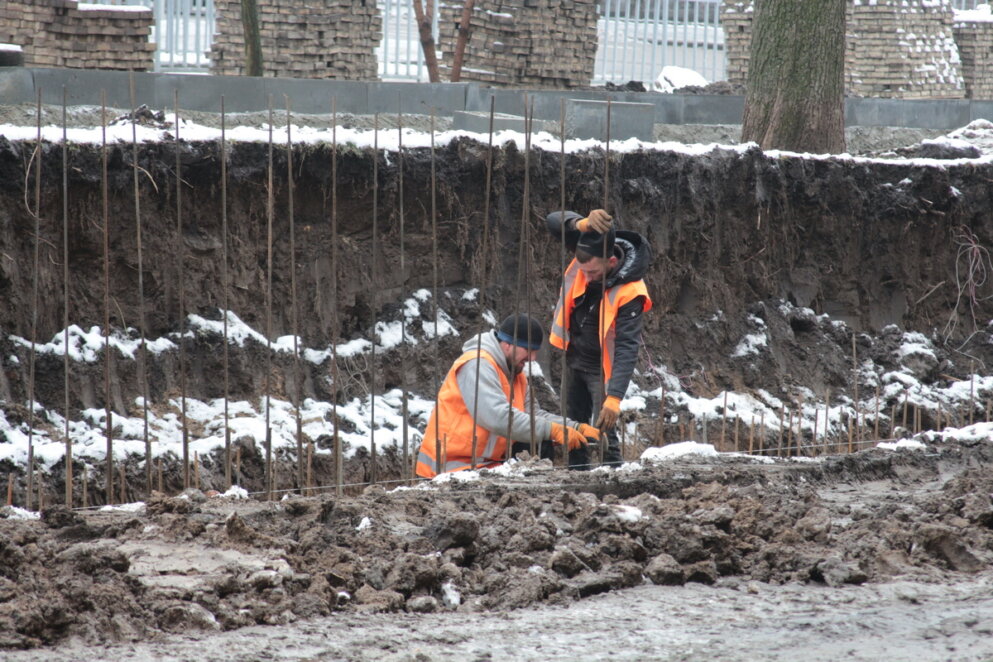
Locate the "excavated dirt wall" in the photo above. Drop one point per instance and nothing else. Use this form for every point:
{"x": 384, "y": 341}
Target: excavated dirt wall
{"x": 870, "y": 243}
{"x": 734, "y": 232}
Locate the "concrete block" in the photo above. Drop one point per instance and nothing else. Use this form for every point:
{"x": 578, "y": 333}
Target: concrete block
{"x": 416, "y": 98}
{"x": 16, "y": 85}
{"x": 588, "y": 119}
{"x": 479, "y": 121}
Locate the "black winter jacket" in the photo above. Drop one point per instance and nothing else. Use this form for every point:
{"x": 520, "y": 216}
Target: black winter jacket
{"x": 634, "y": 258}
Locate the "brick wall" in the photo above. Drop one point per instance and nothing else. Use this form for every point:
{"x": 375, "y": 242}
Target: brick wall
{"x": 76, "y": 35}
{"x": 302, "y": 39}
{"x": 974, "y": 39}
{"x": 903, "y": 49}
{"x": 532, "y": 43}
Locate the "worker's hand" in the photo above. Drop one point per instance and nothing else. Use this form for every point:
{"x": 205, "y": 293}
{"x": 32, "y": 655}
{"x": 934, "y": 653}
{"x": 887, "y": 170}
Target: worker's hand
{"x": 588, "y": 431}
{"x": 572, "y": 437}
{"x": 598, "y": 221}
{"x": 609, "y": 413}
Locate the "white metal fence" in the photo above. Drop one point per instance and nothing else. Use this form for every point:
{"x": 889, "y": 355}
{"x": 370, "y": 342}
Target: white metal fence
{"x": 182, "y": 32}
{"x": 636, "y": 38}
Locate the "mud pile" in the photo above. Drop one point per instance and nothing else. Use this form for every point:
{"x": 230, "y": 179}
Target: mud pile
{"x": 533, "y": 535}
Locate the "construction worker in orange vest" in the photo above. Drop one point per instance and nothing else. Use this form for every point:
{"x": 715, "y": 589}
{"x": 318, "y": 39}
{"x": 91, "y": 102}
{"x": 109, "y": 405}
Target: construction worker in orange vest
{"x": 601, "y": 342}
{"x": 487, "y": 386}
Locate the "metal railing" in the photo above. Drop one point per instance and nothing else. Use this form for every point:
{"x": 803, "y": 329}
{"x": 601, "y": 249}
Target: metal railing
{"x": 183, "y": 32}
{"x": 637, "y": 38}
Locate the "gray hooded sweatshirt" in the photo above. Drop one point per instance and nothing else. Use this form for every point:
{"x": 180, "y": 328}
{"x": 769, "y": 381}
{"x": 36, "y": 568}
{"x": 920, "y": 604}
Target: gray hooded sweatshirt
{"x": 494, "y": 407}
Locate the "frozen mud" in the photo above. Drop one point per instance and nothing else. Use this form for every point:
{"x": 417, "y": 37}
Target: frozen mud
{"x": 695, "y": 558}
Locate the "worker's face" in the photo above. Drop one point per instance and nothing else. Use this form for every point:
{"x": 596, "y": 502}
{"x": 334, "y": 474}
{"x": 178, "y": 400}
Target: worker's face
{"x": 518, "y": 357}
{"x": 596, "y": 267}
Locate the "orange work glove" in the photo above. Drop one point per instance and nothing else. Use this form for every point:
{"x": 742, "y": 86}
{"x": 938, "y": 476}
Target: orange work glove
{"x": 588, "y": 431}
{"x": 572, "y": 437}
{"x": 598, "y": 221}
{"x": 610, "y": 412}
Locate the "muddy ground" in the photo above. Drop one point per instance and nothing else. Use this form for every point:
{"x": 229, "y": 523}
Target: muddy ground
{"x": 868, "y": 556}
{"x": 833, "y": 258}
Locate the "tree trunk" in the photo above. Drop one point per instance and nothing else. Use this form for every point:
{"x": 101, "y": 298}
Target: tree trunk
{"x": 463, "y": 39}
{"x": 424, "y": 18}
{"x": 796, "y": 76}
{"x": 253, "y": 38}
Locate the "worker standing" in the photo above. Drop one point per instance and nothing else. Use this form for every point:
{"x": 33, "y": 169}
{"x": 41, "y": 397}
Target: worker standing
{"x": 487, "y": 383}
{"x": 601, "y": 346}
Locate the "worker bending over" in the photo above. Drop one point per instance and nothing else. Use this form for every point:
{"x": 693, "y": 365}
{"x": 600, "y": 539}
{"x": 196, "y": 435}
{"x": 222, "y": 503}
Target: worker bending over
{"x": 488, "y": 383}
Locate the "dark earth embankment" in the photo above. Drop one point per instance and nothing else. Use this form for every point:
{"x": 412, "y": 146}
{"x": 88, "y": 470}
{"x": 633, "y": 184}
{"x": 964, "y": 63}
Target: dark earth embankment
{"x": 735, "y": 233}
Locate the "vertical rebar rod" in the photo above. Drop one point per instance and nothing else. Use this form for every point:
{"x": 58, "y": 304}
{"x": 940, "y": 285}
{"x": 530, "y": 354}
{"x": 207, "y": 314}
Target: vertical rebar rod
{"x": 484, "y": 259}
{"x": 875, "y": 426}
{"x": 528, "y": 124}
{"x": 375, "y": 284}
{"x": 789, "y": 437}
{"x": 724, "y": 420}
{"x": 143, "y": 350}
{"x": 972, "y": 393}
{"x": 106, "y": 297}
{"x": 508, "y": 448}
{"x": 603, "y": 285}
{"x": 563, "y": 369}
{"x": 906, "y": 398}
{"x": 339, "y": 474}
{"x": 407, "y": 469}
{"x": 65, "y": 295}
{"x": 36, "y": 213}
{"x": 761, "y": 431}
{"x": 782, "y": 420}
{"x": 180, "y": 284}
{"x": 813, "y": 438}
{"x": 855, "y": 386}
{"x": 270, "y": 212}
{"x": 294, "y": 317}
{"x": 434, "y": 279}
{"x": 225, "y": 296}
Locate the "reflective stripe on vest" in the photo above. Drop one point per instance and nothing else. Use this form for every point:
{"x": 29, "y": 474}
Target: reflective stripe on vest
{"x": 574, "y": 285}
{"x": 455, "y": 424}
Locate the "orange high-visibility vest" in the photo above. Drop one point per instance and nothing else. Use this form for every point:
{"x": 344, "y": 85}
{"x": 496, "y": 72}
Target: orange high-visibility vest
{"x": 574, "y": 286}
{"x": 454, "y": 425}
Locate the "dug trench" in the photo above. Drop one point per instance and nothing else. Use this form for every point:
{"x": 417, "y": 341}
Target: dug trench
{"x": 833, "y": 257}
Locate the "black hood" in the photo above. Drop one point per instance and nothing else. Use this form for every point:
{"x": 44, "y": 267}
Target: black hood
{"x": 636, "y": 259}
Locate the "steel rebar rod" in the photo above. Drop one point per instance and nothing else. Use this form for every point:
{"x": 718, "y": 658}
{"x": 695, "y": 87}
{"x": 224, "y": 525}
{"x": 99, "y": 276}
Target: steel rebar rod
{"x": 563, "y": 370}
{"x": 36, "y": 213}
{"x": 294, "y": 317}
{"x": 508, "y": 449}
{"x": 106, "y": 298}
{"x": 407, "y": 468}
{"x": 338, "y": 454}
{"x": 143, "y": 348}
{"x": 65, "y": 296}
{"x": 225, "y": 296}
{"x": 603, "y": 285}
{"x": 528, "y": 276}
{"x": 180, "y": 284}
{"x": 434, "y": 283}
{"x": 375, "y": 282}
{"x": 270, "y": 212}
{"x": 484, "y": 258}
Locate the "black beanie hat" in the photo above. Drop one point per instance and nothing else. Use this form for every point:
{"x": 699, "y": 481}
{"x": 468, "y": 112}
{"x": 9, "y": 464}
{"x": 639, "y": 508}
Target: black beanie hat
{"x": 522, "y": 331}
{"x": 591, "y": 243}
